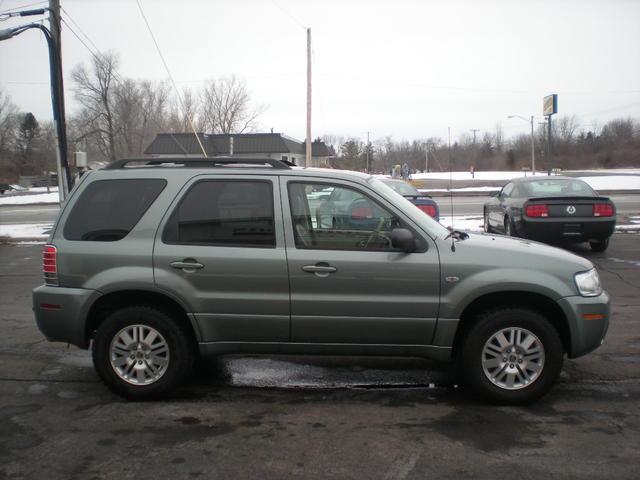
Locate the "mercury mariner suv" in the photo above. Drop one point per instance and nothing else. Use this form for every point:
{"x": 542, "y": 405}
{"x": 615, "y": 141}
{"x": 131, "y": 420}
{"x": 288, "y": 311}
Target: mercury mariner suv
{"x": 153, "y": 262}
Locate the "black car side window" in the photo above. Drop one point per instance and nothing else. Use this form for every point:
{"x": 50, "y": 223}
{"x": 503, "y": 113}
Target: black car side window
{"x": 507, "y": 190}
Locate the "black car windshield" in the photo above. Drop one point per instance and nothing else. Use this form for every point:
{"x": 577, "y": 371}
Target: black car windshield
{"x": 403, "y": 188}
{"x": 558, "y": 188}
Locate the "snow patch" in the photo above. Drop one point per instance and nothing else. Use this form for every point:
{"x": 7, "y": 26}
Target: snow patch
{"x": 36, "y": 198}
{"x": 30, "y": 230}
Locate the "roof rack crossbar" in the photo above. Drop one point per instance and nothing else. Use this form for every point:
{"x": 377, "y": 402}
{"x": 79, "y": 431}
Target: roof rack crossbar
{"x": 199, "y": 162}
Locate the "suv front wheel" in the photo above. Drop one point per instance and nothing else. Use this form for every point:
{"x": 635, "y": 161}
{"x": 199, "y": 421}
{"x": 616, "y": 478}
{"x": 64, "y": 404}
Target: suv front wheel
{"x": 141, "y": 352}
{"x": 511, "y": 355}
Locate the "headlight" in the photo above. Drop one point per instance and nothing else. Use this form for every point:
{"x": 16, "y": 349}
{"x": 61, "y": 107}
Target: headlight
{"x": 588, "y": 283}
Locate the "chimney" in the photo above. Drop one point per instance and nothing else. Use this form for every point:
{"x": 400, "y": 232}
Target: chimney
{"x": 231, "y": 146}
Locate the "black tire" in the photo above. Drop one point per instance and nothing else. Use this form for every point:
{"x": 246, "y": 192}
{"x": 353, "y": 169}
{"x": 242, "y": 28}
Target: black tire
{"x": 180, "y": 347}
{"x": 508, "y": 227}
{"x": 470, "y": 353}
{"x": 487, "y": 225}
{"x": 599, "y": 245}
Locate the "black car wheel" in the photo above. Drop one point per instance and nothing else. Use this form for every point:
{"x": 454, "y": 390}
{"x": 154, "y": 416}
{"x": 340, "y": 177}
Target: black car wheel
{"x": 508, "y": 230}
{"x": 510, "y": 355}
{"x": 487, "y": 226}
{"x": 599, "y": 245}
{"x": 141, "y": 352}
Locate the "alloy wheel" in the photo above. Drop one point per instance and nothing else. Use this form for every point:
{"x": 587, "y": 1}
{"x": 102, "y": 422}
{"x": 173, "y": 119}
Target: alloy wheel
{"x": 513, "y": 358}
{"x": 139, "y": 354}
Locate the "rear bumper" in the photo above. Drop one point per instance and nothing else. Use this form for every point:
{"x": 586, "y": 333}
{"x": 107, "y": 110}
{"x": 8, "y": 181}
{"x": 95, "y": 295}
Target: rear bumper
{"x": 586, "y": 335}
{"x": 61, "y": 313}
{"x": 568, "y": 229}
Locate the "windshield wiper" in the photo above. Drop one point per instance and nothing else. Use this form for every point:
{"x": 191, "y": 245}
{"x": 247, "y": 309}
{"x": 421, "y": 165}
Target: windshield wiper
{"x": 457, "y": 234}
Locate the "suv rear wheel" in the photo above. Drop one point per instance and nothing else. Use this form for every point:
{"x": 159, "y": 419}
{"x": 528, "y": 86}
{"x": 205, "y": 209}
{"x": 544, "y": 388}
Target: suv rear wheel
{"x": 141, "y": 352}
{"x": 511, "y": 355}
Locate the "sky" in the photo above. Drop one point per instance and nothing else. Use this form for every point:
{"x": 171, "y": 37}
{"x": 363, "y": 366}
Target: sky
{"x": 406, "y": 69}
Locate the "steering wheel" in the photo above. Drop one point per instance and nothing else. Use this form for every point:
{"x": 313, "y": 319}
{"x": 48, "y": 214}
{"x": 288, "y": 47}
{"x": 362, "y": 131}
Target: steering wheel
{"x": 375, "y": 233}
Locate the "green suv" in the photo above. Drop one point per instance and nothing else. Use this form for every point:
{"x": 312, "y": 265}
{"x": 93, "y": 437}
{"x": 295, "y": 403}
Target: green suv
{"x": 153, "y": 262}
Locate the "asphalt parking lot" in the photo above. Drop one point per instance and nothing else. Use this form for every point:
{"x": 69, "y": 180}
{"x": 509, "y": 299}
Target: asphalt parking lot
{"x": 305, "y": 417}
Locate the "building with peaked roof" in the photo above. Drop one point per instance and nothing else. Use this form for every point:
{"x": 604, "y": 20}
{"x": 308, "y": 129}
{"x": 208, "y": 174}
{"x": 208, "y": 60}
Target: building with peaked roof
{"x": 239, "y": 145}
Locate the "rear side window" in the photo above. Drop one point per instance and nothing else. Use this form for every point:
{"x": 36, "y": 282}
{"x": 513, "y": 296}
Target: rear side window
{"x": 107, "y": 210}
{"x": 224, "y": 213}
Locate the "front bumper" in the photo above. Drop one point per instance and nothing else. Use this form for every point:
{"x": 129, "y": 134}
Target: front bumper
{"x": 586, "y": 335}
{"x": 566, "y": 228}
{"x": 61, "y": 313}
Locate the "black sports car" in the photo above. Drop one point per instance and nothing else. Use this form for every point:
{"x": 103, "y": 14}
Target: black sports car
{"x": 551, "y": 209}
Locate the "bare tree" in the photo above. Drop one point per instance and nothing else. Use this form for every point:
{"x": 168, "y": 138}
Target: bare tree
{"x": 8, "y": 124}
{"x": 565, "y": 128}
{"x": 183, "y": 112}
{"x": 226, "y": 107}
{"x": 94, "y": 91}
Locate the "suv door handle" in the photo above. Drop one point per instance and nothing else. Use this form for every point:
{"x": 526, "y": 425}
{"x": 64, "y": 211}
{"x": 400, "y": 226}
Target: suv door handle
{"x": 188, "y": 264}
{"x": 321, "y": 269}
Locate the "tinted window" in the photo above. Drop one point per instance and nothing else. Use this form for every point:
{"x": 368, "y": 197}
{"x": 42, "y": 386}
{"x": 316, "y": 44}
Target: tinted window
{"x": 226, "y": 213}
{"x": 558, "y": 188}
{"x": 347, "y": 220}
{"x": 107, "y": 210}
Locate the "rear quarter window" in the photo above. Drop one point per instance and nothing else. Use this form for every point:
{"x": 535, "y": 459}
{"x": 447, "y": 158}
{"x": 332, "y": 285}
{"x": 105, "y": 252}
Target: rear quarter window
{"x": 107, "y": 210}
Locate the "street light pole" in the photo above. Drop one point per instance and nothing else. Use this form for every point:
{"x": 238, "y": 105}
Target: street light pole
{"x": 367, "y": 152}
{"x": 533, "y": 150}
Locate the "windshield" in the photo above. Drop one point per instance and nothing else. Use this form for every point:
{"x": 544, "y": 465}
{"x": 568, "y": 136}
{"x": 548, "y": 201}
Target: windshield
{"x": 558, "y": 188}
{"x": 402, "y": 188}
{"x": 414, "y": 212}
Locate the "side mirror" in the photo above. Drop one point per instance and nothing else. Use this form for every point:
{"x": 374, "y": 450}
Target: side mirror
{"x": 494, "y": 194}
{"x": 403, "y": 239}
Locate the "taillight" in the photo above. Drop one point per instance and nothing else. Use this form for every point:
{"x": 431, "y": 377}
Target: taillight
{"x": 428, "y": 209}
{"x": 361, "y": 213}
{"x": 50, "y": 264}
{"x": 537, "y": 211}
{"x": 602, "y": 210}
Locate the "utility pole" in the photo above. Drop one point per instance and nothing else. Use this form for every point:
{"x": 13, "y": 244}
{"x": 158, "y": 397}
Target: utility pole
{"x": 426, "y": 159}
{"x": 367, "y": 152}
{"x": 308, "y": 149}
{"x": 65, "y": 182}
{"x": 475, "y": 151}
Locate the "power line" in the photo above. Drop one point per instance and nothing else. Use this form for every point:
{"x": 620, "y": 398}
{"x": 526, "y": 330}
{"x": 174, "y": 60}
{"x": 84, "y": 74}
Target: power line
{"x": 78, "y": 27}
{"x": 289, "y": 14}
{"x": 118, "y": 79}
{"x": 472, "y": 89}
{"x": 175, "y": 86}
{"x": 22, "y": 6}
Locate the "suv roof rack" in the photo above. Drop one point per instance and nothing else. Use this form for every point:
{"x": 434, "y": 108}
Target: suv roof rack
{"x": 198, "y": 162}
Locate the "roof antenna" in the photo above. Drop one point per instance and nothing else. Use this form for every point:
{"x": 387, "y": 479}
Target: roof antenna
{"x": 453, "y": 244}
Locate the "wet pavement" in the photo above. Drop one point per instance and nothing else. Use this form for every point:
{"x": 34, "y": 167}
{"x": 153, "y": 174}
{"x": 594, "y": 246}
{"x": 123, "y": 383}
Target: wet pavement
{"x": 315, "y": 417}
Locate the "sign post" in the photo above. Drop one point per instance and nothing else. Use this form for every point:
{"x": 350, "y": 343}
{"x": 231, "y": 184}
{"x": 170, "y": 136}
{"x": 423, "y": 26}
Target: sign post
{"x": 549, "y": 108}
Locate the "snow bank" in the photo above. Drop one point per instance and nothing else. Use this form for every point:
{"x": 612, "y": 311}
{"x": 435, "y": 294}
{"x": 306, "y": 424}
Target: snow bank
{"x": 30, "y": 230}
{"x": 30, "y": 199}
{"x": 613, "y": 182}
